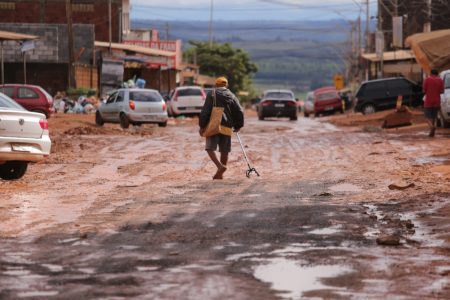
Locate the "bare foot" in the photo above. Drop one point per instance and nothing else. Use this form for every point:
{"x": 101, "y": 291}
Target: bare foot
{"x": 220, "y": 172}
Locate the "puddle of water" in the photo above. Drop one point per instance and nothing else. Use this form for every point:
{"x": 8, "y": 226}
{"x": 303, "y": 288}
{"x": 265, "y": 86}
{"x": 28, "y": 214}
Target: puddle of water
{"x": 37, "y": 294}
{"x": 87, "y": 270}
{"x": 238, "y": 256}
{"x": 16, "y": 272}
{"x": 433, "y": 160}
{"x": 345, "y": 188}
{"x": 292, "y": 279}
{"x": 53, "y": 268}
{"x": 253, "y": 195}
{"x": 326, "y": 231}
{"x": 147, "y": 269}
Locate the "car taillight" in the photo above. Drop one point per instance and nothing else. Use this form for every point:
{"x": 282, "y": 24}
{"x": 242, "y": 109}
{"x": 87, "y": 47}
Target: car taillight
{"x": 203, "y": 95}
{"x": 292, "y": 103}
{"x": 44, "y": 124}
{"x": 267, "y": 103}
{"x": 164, "y": 106}
{"x": 132, "y": 105}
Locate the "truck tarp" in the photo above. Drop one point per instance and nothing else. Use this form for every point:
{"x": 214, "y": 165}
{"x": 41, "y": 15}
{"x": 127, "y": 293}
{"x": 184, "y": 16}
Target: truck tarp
{"x": 432, "y": 49}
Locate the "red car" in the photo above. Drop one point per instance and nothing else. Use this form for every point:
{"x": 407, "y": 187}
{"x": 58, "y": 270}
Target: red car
{"x": 31, "y": 97}
{"x": 327, "y": 101}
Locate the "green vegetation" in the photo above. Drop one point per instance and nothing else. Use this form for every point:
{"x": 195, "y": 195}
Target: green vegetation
{"x": 223, "y": 60}
{"x": 81, "y": 92}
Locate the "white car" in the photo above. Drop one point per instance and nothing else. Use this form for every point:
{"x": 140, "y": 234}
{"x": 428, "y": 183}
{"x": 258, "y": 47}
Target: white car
{"x": 186, "y": 100}
{"x": 24, "y": 138}
{"x": 309, "y": 104}
{"x": 133, "y": 106}
{"x": 444, "y": 114}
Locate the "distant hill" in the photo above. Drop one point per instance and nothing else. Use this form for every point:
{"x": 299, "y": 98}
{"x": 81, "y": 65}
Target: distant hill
{"x": 296, "y": 55}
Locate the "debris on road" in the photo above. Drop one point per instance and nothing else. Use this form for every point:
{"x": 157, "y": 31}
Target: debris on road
{"x": 388, "y": 240}
{"x": 400, "y": 187}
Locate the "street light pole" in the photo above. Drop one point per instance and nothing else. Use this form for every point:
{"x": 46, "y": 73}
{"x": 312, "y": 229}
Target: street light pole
{"x": 427, "y": 26}
{"x": 367, "y": 26}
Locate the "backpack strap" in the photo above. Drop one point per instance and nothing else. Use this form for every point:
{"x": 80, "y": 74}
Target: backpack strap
{"x": 214, "y": 98}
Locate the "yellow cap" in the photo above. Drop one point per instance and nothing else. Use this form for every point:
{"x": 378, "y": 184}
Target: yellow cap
{"x": 221, "y": 82}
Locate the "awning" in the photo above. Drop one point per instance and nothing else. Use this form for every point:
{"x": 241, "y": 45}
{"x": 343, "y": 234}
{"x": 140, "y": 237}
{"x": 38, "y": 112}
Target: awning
{"x": 432, "y": 49}
{"x": 390, "y": 56}
{"x": 136, "y": 49}
{"x": 13, "y": 36}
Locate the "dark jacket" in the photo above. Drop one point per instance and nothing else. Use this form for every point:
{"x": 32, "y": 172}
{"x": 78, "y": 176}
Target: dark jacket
{"x": 233, "y": 116}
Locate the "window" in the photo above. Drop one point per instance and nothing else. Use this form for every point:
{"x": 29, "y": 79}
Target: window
{"x": 111, "y": 98}
{"x": 83, "y": 7}
{"x": 399, "y": 87}
{"x": 145, "y": 96}
{"x": 27, "y": 93}
{"x": 120, "y": 97}
{"x": 447, "y": 81}
{"x": 279, "y": 95}
{"x": 6, "y": 102}
{"x": 327, "y": 96}
{"x": 374, "y": 90}
{"x": 8, "y": 91}
{"x": 189, "y": 92}
{"x": 7, "y": 5}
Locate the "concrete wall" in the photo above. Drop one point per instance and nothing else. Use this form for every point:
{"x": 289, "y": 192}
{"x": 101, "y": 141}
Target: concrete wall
{"x": 54, "y": 12}
{"x": 52, "y": 44}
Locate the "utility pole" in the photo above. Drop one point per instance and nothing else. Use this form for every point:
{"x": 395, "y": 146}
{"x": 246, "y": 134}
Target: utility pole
{"x": 380, "y": 40}
{"x": 211, "y": 24}
{"x": 71, "y": 70}
{"x": 167, "y": 31}
{"x": 110, "y": 26}
{"x": 427, "y": 26}
{"x": 367, "y": 26}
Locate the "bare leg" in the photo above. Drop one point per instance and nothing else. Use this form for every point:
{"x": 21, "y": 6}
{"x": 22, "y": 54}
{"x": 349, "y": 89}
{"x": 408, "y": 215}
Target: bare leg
{"x": 224, "y": 158}
{"x": 432, "y": 125}
{"x": 223, "y": 161}
{"x": 213, "y": 156}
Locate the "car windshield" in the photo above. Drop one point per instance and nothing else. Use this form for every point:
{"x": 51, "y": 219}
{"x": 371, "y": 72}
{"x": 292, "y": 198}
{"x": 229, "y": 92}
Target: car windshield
{"x": 8, "y": 103}
{"x": 145, "y": 96}
{"x": 310, "y": 97}
{"x": 189, "y": 92}
{"x": 279, "y": 95}
{"x": 327, "y": 96}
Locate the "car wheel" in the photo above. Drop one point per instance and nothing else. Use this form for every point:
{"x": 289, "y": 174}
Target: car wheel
{"x": 294, "y": 118}
{"x": 261, "y": 117}
{"x": 124, "y": 122}
{"x": 13, "y": 170}
{"x": 163, "y": 124}
{"x": 368, "y": 109}
{"x": 316, "y": 115}
{"x": 306, "y": 114}
{"x": 98, "y": 119}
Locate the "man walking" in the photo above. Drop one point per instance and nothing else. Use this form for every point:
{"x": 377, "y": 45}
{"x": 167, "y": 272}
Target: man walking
{"x": 433, "y": 87}
{"x": 233, "y": 117}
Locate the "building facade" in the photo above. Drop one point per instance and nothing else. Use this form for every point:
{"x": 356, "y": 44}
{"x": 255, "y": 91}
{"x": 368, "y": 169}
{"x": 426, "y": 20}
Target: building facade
{"x": 93, "y": 12}
{"x": 416, "y": 14}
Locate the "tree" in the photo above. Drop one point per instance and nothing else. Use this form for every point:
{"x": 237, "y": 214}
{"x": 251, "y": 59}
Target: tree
{"x": 223, "y": 60}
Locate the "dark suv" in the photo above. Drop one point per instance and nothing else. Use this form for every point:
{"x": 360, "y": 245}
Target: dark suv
{"x": 382, "y": 94}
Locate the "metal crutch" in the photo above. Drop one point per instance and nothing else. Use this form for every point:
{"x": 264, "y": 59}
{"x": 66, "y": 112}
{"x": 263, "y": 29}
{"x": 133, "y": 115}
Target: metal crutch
{"x": 250, "y": 168}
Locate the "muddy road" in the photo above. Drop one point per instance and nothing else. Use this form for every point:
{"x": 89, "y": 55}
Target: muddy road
{"x": 338, "y": 213}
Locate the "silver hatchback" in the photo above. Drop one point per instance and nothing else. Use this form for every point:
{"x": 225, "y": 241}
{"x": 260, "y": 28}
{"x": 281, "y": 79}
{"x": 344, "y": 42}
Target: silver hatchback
{"x": 133, "y": 106}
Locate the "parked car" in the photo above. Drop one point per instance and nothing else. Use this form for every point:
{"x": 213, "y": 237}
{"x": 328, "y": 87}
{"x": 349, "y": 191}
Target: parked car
{"x": 382, "y": 94}
{"x": 278, "y": 103}
{"x": 444, "y": 113}
{"x": 24, "y": 138}
{"x": 308, "y": 108}
{"x": 133, "y": 106}
{"x": 186, "y": 100}
{"x": 327, "y": 101}
{"x": 31, "y": 97}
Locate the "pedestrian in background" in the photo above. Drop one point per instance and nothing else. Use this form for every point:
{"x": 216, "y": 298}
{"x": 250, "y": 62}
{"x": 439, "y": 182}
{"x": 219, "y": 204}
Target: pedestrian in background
{"x": 232, "y": 117}
{"x": 433, "y": 87}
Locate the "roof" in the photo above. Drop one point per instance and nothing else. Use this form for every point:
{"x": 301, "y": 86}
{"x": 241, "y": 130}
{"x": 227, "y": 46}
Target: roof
{"x": 137, "y": 49}
{"x": 13, "y": 36}
{"x": 390, "y": 56}
{"x": 432, "y": 49}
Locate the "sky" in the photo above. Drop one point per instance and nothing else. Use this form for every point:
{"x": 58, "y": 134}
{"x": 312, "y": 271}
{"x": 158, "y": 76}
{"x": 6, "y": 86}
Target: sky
{"x": 289, "y": 10}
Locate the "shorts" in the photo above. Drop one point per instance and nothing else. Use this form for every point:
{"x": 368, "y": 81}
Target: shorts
{"x": 431, "y": 112}
{"x": 223, "y": 141}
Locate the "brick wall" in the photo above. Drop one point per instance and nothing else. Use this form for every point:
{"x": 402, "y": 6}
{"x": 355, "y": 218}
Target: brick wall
{"x": 52, "y": 44}
{"x": 54, "y": 12}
